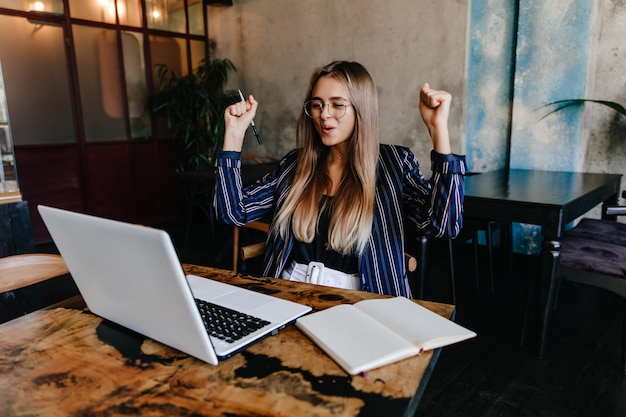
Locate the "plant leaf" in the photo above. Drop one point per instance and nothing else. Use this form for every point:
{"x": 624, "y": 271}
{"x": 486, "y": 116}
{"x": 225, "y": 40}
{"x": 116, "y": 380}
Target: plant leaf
{"x": 562, "y": 104}
{"x": 193, "y": 107}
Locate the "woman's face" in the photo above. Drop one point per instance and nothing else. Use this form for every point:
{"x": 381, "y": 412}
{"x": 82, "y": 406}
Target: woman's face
{"x": 332, "y": 127}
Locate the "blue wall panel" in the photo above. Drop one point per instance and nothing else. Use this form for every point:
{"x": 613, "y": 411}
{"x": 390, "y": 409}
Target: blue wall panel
{"x": 551, "y": 64}
{"x": 489, "y": 94}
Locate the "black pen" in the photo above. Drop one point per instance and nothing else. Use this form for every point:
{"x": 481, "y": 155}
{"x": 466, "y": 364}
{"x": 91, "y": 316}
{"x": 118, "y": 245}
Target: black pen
{"x": 256, "y": 132}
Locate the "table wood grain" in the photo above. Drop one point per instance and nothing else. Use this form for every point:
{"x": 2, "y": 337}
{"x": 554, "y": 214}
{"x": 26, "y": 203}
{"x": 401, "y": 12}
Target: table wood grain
{"x": 66, "y": 361}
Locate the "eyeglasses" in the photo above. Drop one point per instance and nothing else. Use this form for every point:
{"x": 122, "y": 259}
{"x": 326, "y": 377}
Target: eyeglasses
{"x": 315, "y": 108}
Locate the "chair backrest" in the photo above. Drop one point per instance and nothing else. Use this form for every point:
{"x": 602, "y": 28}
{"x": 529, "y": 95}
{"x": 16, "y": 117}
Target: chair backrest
{"x": 594, "y": 253}
{"x": 410, "y": 262}
{"x": 249, "y": 251}
{"x": 19, "y": 271}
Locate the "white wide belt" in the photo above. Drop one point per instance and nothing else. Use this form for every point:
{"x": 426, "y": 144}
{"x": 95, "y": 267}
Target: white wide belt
{"x": 317, "y": 273}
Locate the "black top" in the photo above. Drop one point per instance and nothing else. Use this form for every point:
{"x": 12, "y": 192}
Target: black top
{"x": 317, "y": 250}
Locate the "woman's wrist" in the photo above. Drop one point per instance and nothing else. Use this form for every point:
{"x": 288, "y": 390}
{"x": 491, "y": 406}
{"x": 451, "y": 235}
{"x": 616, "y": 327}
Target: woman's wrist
{"x": 441, "y": 141}
{"x": 232, "y": 144}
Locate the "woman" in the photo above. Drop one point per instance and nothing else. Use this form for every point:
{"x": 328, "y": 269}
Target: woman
{"x": 339, "y": 203}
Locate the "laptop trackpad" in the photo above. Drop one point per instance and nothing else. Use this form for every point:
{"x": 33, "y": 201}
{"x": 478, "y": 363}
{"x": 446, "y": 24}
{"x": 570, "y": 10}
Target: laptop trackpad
{"x": 243, "y": 300}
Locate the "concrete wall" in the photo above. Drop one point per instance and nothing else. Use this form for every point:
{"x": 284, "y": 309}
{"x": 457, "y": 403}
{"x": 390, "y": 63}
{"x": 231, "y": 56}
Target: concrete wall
{"x": 551, "y": 64}
{"x": 605, "y": 131}
{"x": 276, "y": 44}
{"x": 500, "y": 60}
{"x": 570, "y": 49}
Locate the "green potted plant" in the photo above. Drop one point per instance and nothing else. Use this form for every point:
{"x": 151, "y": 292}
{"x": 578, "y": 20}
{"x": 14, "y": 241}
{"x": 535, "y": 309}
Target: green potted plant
{"x": 193, "y": 107}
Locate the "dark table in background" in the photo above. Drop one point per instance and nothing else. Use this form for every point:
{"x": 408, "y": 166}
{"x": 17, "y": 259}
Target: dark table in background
{"x": 249, "y": 174}
{"x": 197, "y": 189}
{"x": 549, "y": 199}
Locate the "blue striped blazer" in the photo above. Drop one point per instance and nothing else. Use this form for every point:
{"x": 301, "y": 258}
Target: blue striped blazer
{"x": 404, "y": 200}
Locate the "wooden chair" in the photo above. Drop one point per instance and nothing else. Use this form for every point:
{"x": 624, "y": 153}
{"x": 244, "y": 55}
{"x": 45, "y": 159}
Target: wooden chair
{"x": 247, "y": 252}
{"x": 250, "y": 251}
{"x": 17, "y": 272}
{"x": 594, "y": 253}
{"x": 253, "y": 250}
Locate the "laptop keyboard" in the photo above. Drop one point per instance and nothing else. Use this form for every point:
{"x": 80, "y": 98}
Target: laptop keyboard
{"x": 226, "y": 324}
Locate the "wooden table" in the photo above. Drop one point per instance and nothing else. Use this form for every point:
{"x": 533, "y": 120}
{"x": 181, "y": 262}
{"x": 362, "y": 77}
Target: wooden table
{"x": 549, "y": 199}
{"x": 67, "y": 361}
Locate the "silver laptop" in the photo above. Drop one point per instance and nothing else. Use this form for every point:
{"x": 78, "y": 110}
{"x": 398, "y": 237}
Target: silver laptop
{"x": 131, "y": 275}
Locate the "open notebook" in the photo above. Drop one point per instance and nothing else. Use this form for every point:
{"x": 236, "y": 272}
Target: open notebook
{"x": 373, "y": 333}
{"x": 131, "y": 275}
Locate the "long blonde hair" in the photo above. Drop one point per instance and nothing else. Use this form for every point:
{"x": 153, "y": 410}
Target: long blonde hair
{"x": 353, "y": 205}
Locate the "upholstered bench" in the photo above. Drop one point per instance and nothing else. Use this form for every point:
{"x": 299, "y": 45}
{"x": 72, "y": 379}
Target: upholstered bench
{"x": 594, "y": 253}
{"x": 602, "y": 230}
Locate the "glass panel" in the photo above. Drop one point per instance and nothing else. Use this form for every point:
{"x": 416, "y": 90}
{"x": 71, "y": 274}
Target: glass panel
{"x": 136, "y": 85}
{"x": 171, "y": 52}
{"x": 9, "y": 189}
{"x": 156, "y": 14}
{"x": 100, "y": 83}
{"x": 176, "y": 12}
{"x": 96, "y": 10}
{"x": 129, "y": 12}
{"x": 166, "y": 15}
{"x": 196, "y": 17}
{"x": 48, "y": 6}
{"x": 104, "y": 11}
{"x": 36, "y": 82}
{"x": 197, "y": 52}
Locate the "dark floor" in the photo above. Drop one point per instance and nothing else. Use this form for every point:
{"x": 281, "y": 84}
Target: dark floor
{"x": 491, "y": 375}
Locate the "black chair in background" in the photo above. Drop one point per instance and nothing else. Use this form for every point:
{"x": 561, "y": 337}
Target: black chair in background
{"x": 248, "y": 250}
{"x": 594, "y": 253}
{"x": 470, "y": 233}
